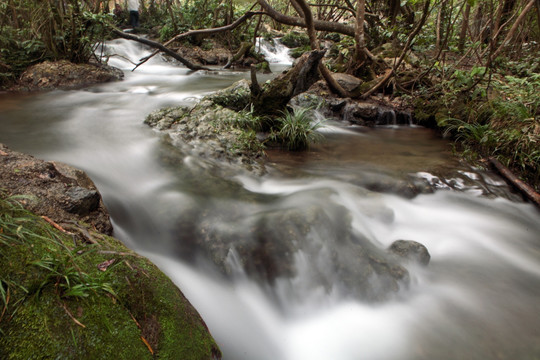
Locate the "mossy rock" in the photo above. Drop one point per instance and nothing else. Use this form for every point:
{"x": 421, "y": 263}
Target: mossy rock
{"x": 299, "y": 51}
{"x": 235, "y": 97}
{"x": 295, "y": 39}
{"x": 71, "y": 297}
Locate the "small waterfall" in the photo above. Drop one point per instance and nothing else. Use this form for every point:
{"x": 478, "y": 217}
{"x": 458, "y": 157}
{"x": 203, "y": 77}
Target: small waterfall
{"x": 274, "y": 51}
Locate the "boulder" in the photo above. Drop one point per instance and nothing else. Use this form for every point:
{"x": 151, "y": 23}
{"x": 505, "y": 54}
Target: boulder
{"x": 411, "y": 250}
{"x": 312, "y": 239}
{"x": 56, "y": 190}
{"x": 66, "y": 75}
{"x": 347, "y": 81}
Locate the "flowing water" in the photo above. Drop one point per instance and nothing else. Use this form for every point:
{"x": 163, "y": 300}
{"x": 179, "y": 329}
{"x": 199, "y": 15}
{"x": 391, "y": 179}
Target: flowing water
{"x": 477, "y": 299}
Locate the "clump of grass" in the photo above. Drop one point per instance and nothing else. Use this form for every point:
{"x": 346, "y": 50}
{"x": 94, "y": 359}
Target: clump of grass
{"x": 26, "y": 240}
{"x": 297, "y": 130}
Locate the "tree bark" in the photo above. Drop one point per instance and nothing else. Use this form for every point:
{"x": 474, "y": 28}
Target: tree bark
{"x": 464, "y": 27}
{"x": 274, "y": 96}
{"x": 211, "y": 31}
{"x": 332, "y": 83}
{"x": 538, "y": 13}
{"x": 359, "y": 33}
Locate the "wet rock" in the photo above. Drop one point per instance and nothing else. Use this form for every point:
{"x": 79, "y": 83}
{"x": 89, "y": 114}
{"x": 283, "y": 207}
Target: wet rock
{"x": 212, "y": 132}
{"x": 370, "y": 112}
{"x": 411, "y": 250}
{"x": 66, "y": 75}
{"x": 82, "y": 201}
{"x": 312, "y": 239}
{"x": 347, "y": 81}
{"x": 146, "y": 304}
{"x": 361, "y": 112}
{"x": 236, "y": 97}
{"x": 55, "y": 190}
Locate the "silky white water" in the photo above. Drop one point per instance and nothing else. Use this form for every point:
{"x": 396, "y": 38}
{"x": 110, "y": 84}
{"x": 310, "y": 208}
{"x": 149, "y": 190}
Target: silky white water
{"x": 477, "y": 299}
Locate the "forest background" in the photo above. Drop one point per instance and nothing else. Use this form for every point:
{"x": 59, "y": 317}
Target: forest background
{"x": 468, "y": 68}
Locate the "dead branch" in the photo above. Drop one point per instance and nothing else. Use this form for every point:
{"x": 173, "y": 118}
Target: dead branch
{"x": 161, "y": 48}
{"x": 206, "y": 32}
{"x": 406, "y": 48}
{"x": 296, "y": 21}
{"x": 513, "y": 29}
{"x": 310, "y": 24}
{"x": 523, "y": 187}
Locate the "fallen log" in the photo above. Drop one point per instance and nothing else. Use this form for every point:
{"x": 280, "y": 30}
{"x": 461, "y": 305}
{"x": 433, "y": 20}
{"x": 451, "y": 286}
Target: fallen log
{"x": 513, "y": 180}
{"x": 273, "y": 97}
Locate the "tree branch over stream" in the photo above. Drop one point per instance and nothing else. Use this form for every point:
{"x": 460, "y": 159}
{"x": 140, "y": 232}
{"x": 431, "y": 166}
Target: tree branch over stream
{"x": 161, "y": 48}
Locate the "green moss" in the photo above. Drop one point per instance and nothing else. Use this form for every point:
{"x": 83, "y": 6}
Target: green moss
{"x": 299, "y": 51}
{"x": 295, "y": 39}
{"x": 48, "y": 313}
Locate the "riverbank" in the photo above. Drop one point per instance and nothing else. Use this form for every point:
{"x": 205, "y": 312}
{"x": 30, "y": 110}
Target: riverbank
{"x": 68, "y": 288}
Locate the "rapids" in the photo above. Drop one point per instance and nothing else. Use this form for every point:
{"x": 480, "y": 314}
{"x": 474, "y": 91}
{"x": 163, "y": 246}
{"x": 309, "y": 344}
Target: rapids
{"x": 477, "y": 299}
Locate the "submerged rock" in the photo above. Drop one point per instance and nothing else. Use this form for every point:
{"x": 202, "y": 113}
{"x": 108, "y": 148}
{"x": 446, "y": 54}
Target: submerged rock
{"x": 411, "y": 250}
{"x": 303, "y": 238}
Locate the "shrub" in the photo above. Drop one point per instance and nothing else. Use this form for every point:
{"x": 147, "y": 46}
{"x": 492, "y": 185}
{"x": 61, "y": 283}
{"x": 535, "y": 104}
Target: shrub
{"x": 297, "y": 130}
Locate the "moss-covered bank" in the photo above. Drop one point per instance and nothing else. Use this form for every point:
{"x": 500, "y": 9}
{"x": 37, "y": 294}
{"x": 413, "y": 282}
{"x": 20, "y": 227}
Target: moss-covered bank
{"x": 68, "y": 291}
{"x": 497, "y": 116}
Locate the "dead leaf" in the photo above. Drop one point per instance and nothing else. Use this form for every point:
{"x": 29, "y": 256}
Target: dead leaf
{"x": 104, "y": 265}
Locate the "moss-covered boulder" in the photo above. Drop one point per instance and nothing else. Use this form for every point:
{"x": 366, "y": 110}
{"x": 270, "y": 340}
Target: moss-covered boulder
{"x": 294, "y": 39}
{"x": 68, "y": 291}
{"x": 213, "y": 132}
{"x": 66, "y": 75}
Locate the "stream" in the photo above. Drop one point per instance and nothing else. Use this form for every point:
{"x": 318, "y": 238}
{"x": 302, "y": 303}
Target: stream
{"x": 477, "y": 299}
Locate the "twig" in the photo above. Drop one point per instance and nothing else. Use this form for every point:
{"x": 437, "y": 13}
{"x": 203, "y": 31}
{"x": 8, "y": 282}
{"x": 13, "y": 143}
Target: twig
{"x": 55, "y": 225}
{"x": 147, "y": 345}
{"x": 72, "y": 317}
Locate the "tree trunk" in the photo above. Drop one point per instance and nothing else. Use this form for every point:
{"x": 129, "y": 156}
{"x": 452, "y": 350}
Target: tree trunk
{"x": 160, "y": 47}
{"x": 464, "y": 27}
{"x": 524, "y": 188}
{"x": 514, "y": 28}
{"x": 332, "y": 83}
{"x": 538, "y": 13}
{"x": 359, "y": 34}
{"x": 389, "y": 73}
{"x": 273, "y": 97}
